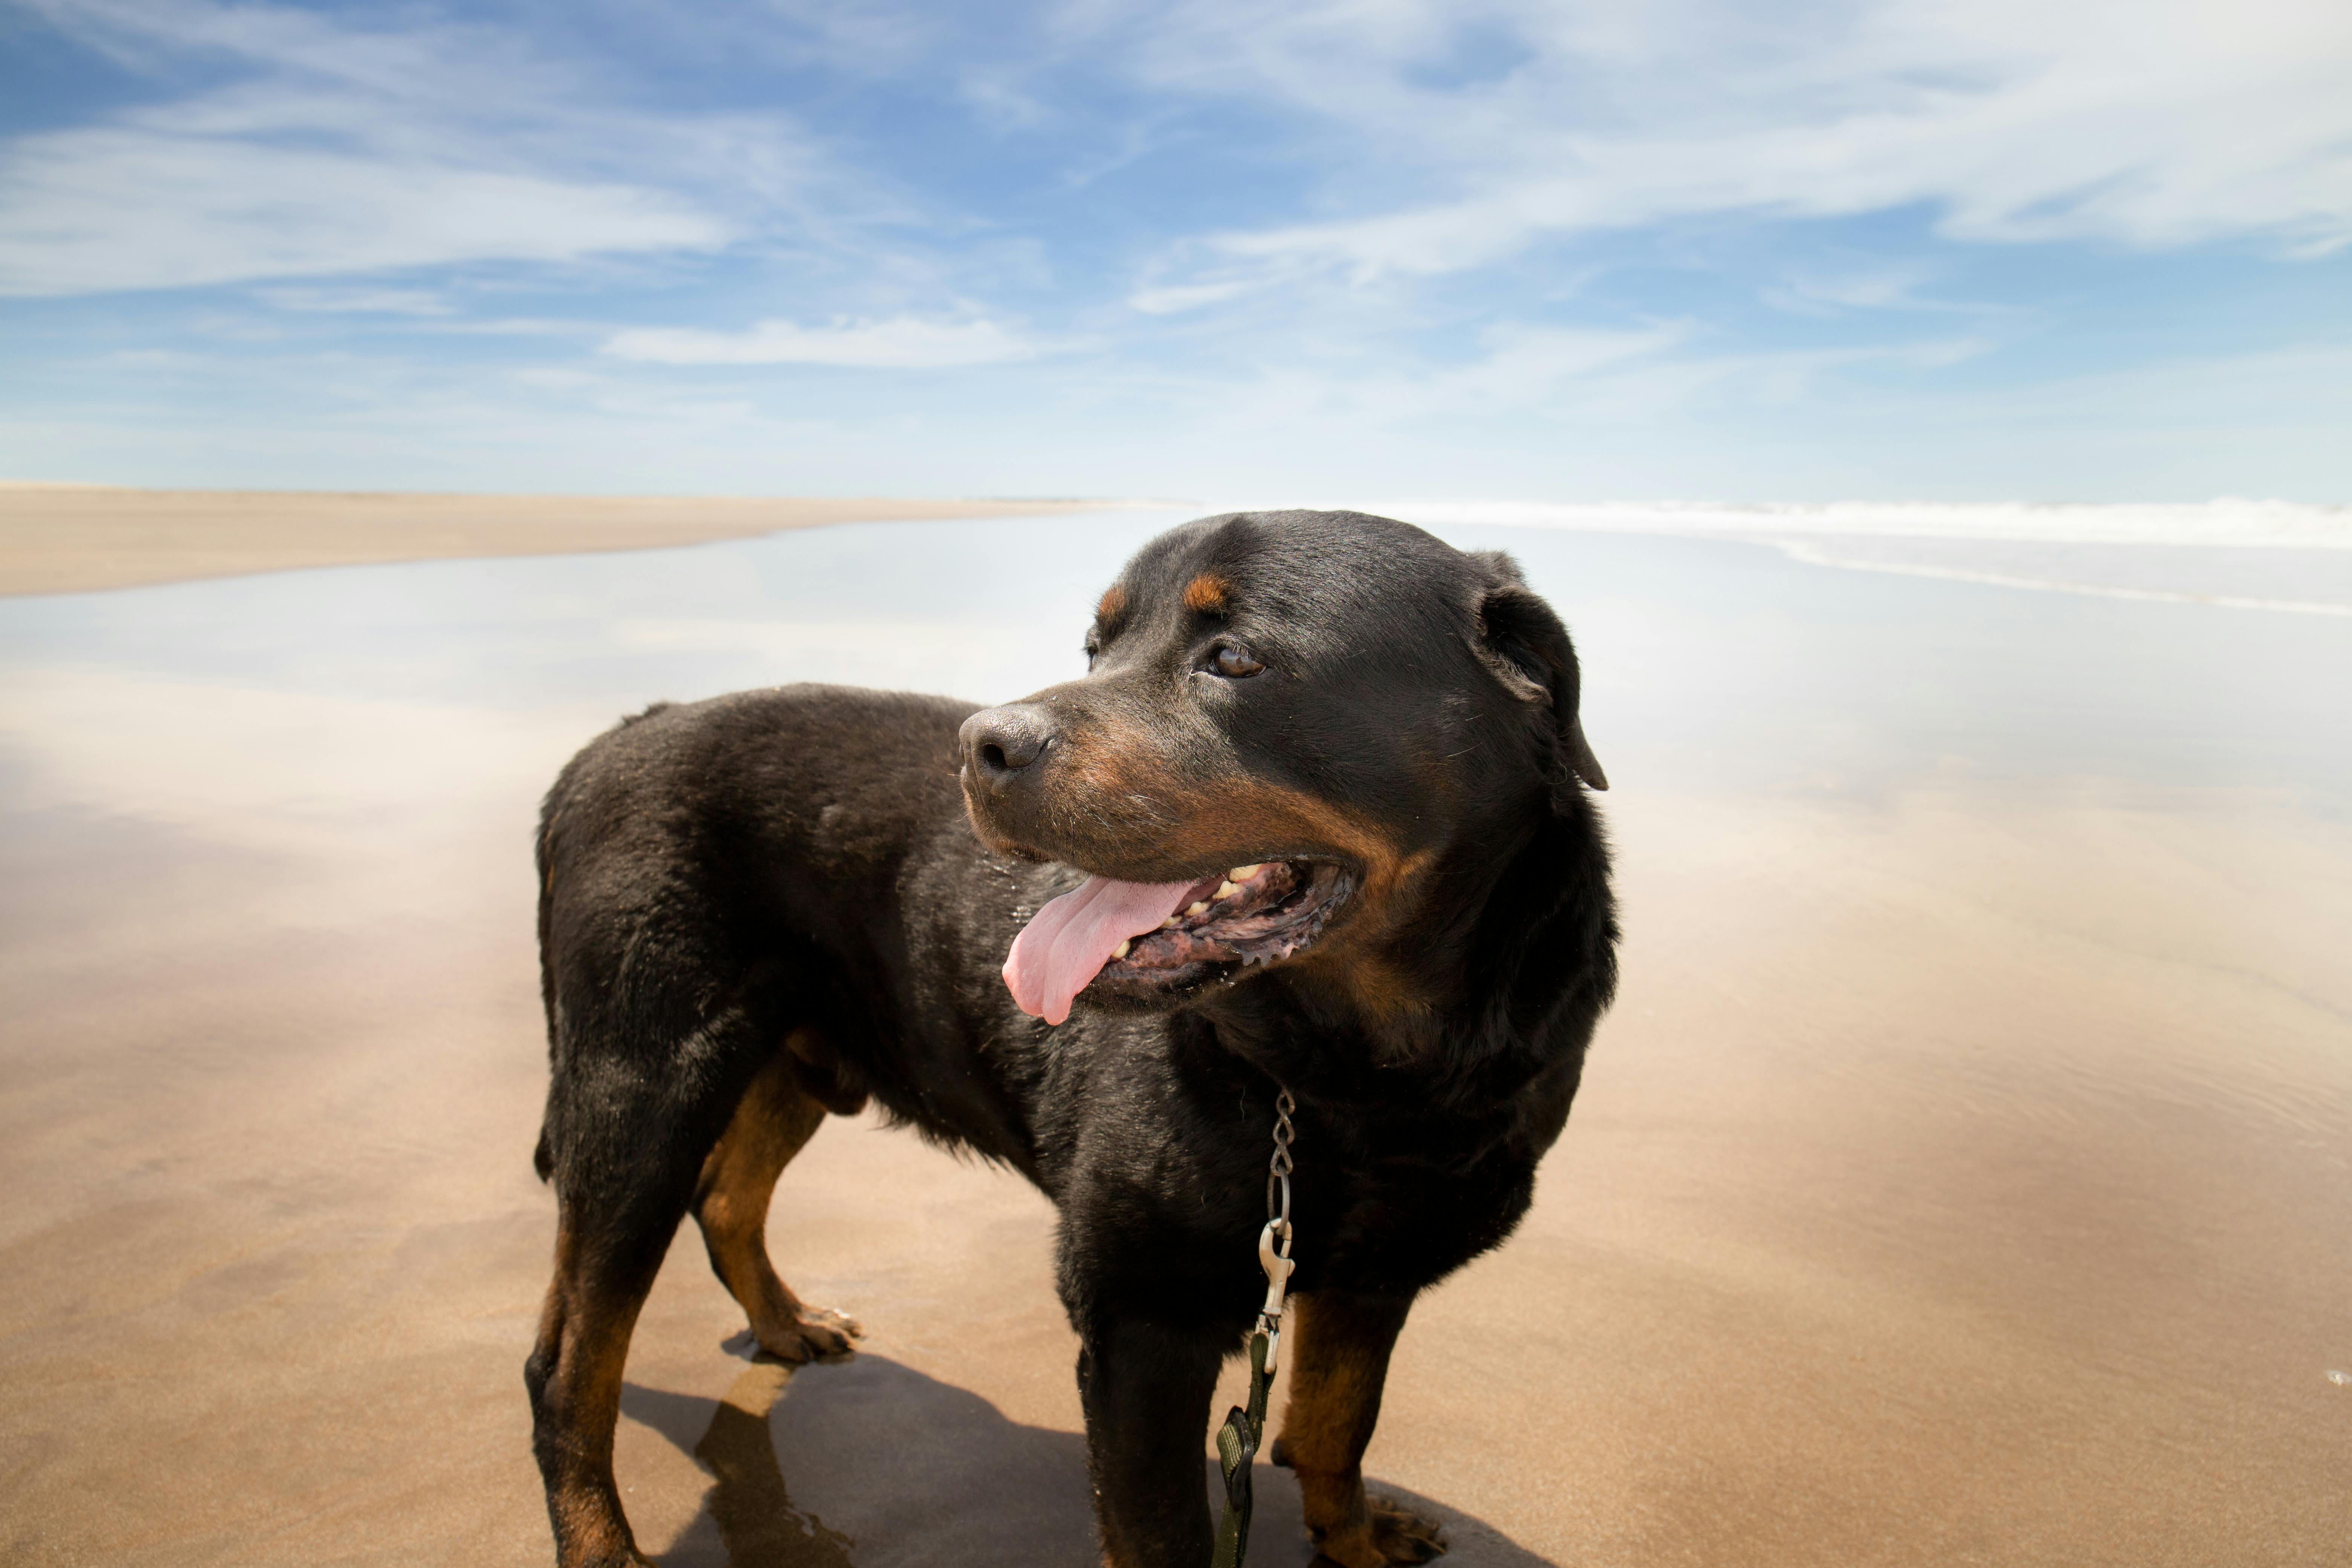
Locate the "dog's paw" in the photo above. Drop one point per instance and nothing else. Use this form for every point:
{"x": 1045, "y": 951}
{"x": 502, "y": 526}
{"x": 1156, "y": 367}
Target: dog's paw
{"x": 818, "y": 1333}
{"x": 841, "y": 1324}
{"x": 1403, "y": 1535}
{"x": 1395, "y": 1533}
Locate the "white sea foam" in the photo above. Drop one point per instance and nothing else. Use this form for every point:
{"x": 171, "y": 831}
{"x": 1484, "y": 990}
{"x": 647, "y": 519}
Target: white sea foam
{"x": 2244, "y": 523}
{"x": 1814, "y": 554}
{"x": 2229, "y": 554}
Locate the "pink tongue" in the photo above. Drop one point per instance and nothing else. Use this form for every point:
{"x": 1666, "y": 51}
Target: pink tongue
{"x": 1067, "y": 944}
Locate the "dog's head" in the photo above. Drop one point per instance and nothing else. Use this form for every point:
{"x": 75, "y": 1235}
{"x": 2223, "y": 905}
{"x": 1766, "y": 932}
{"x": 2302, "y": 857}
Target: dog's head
{"x": 1299, "y": 732}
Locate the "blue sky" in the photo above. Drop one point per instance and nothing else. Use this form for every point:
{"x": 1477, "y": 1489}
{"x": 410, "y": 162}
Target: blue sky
{"x": 1953, "y": 249}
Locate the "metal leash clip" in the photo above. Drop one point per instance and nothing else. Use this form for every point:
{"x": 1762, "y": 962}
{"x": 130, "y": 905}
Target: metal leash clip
{"x": 1277, "y": 1267}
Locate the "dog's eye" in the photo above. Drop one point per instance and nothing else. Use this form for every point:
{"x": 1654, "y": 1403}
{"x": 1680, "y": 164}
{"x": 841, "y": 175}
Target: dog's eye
{"x": 1234, "y": 661}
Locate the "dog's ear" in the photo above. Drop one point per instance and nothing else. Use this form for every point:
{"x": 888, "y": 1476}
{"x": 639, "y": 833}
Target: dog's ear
{"x": 1523, "y": 642}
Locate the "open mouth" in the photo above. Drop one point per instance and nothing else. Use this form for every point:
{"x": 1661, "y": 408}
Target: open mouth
{"x": 1248, "y": 915}
{"x": 1135, "y": 941}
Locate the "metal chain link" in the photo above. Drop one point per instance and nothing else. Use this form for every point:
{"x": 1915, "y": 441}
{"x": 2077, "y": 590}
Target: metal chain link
{"x": 1273, "y": 1244}
{"x": 1278, "y": 1180}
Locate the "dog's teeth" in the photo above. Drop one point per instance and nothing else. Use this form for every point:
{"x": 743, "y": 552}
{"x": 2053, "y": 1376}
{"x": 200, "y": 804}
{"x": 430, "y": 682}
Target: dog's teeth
{"x": 1243, "y": 873}
{"x": 1200, "y": 909}
{"x": 1122, "y": 949}
{"x": 1226, "y": 890}
{"x": 1170, "y": 923}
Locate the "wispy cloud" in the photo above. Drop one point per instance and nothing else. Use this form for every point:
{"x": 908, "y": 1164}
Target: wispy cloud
{"x": 1833, "y": 292}
{"x": 902, "y": 343}
{"x": 341, "y": 149}
{"x": 333, "y": 300}
{"x": 2147, "y": 122}
{"x": 1172, "y": 300}
{"x": 1587, "y": 378}
{"x": 89, "y": 212}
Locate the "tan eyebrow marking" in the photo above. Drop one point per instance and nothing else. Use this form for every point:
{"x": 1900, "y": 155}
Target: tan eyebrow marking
{"x": 1113, "y": 606}
{"x": 1206, "y": 593}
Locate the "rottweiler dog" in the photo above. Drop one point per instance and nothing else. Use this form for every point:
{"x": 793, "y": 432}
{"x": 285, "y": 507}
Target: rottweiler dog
{"x": 1315, "y": 818}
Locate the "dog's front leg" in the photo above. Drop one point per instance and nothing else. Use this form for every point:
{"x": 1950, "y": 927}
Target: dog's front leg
{"x": 1340, "y": 1341}
{"x": 1146, "y": 1387}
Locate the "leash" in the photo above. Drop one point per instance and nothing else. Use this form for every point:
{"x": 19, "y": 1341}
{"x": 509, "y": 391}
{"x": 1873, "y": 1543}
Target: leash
{"x": 1238, "y": 1439}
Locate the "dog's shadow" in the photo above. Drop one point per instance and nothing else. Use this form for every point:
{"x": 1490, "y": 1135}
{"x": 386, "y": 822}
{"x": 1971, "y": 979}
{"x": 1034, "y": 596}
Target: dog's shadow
{"x": 889, "y": 1466}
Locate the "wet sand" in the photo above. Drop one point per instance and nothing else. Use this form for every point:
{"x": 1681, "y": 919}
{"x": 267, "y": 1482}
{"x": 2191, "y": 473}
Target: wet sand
{"x": 69, "y": 538}
{"x": 1960, "y": 1178}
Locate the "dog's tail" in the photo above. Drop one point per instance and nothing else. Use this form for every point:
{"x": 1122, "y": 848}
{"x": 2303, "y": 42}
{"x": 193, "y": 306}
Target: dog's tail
{"x": 542, "y": 1157}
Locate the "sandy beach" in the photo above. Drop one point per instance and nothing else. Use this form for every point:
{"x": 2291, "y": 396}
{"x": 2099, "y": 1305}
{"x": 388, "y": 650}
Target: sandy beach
{"x": 1962, "y": 1177}
{"x": 69, "y": 538}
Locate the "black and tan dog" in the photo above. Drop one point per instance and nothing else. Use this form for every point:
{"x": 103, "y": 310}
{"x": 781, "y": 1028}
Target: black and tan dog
{"x": 1315, "y": 817}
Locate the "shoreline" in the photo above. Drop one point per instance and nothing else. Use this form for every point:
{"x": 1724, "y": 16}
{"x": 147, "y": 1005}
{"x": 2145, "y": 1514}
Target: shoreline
{"x": 76, "y": 539}
{"x": 70, "y": 538}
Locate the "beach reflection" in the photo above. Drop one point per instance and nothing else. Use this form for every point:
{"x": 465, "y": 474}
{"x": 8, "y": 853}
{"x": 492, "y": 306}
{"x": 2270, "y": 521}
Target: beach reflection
{"x": 1710, "y": 663}
{"x": 756, "y": 1522}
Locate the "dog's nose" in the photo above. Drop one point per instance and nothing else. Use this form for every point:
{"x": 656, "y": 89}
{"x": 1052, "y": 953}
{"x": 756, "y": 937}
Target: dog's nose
{"x": 998, "y": 742}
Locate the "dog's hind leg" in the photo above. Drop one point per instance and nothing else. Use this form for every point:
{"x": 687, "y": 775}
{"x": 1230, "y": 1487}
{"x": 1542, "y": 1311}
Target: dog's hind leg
{"x": 771, "y": 1123}
{"x": 623, "y": 1145}
{"x": 1339, "y": 1350}
{"x": 574, "y": 1375}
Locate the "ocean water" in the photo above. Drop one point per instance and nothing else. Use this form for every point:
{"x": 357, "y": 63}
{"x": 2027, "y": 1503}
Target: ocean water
{"x": 1848, "y": 663}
